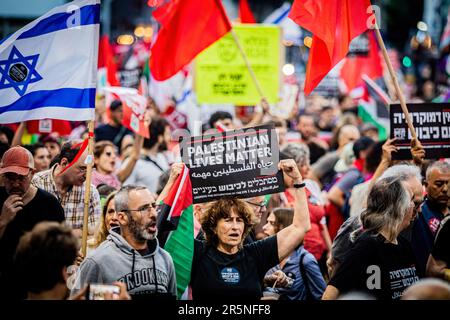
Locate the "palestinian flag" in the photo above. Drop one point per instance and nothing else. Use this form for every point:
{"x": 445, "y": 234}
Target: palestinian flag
{"x": 374, "y": 107}
{"x": 177, "y": 217}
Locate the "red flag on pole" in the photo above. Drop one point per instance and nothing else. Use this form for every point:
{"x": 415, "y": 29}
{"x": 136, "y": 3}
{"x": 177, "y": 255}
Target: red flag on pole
{"x": 245, "y": 13}
{"x": 188, "y": 28}
{"x": 334, "y": 24}
{"x": 106, "y": 60}
{"x": 355, "y": 67}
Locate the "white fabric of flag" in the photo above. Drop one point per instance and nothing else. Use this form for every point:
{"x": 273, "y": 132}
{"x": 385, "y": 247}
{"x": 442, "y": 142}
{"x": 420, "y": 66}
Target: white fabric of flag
{"x": 48, "y": 69}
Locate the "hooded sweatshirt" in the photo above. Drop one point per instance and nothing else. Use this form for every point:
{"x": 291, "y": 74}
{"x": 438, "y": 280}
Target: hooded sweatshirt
{"x": 115, "y": 260}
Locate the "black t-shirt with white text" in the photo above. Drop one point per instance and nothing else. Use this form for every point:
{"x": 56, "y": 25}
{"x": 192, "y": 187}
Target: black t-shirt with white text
{"x": 217, "y": 275}
{"x": 383, "y": 270}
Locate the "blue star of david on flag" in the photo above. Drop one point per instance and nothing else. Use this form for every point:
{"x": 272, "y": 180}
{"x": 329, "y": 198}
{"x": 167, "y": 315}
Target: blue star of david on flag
{"x": 18, "y": 71}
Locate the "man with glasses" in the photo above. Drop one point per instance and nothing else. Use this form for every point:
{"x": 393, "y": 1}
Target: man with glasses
{"x": 432, "y": 212}
{"x": 131, "y": 252}
{"x": 259, "y": 206}
{"x": 65, "y": 180}
{"x": 23, "y": 206}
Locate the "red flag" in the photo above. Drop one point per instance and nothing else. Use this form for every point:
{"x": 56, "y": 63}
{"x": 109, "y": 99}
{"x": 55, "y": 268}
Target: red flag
{"x": 245, "y": 13}
{"x": 48, "y": 126}
{"x": 187, "y": 29}
{"x": 334, "y": 24}
{"x": 134, "y": 109}
{"x": 178, "y": 199}
{"x": 133, "y": 121}
{"x": 355, "y": 67}
{"x": 106, "y": 60}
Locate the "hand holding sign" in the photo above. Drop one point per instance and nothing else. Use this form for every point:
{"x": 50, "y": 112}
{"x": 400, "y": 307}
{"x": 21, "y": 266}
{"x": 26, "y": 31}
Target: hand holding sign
{"x": 417, "y": 152}
{"x": 388, "y": 148}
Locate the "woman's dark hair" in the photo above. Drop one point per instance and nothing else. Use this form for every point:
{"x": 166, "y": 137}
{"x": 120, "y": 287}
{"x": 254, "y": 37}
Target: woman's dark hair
{"x": 3, "y": 148}
{"x": 362, "y": 144}
{"x": 283, "y": 217}
{"x": 67, "y": 151}
{"x": 8, "y": 132}
{"x": 42, "y": 255}
{"x": 100, "y": 146}
{"x": 373, "y": 158}
{"x": 157, "y": 127}
{"x": 33, "y": 147}
{"x": 222, "y": 209}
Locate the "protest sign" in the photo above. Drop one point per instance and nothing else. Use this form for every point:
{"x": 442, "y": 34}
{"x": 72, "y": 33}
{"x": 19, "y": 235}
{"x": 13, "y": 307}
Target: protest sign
{"x": 221, "y": 75}
{"x": 240, "y": 163}
{"x": 359, "y": 46}
{"x": 432, "y": 124}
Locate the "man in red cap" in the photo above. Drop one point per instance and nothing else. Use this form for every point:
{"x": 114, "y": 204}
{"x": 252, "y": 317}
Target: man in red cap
{"x": 23, "y": 205}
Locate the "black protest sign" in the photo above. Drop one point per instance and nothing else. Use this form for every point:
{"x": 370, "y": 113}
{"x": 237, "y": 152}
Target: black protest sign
{"x": 432, "y": 124}
{"x": 240, "y": 163}
{"x": 130, "y": 78}
{"x": 359, "y": 46}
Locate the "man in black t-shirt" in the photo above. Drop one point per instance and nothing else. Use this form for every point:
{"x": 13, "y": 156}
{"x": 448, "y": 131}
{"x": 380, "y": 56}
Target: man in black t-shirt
{"x": 23, "y": 206}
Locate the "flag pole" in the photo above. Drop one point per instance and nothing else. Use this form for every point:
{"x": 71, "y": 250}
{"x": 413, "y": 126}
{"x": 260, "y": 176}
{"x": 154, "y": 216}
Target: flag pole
{"x": 87, "y": 193}
{"x": 247, "y": 63}
{"x": 395, "y": 81}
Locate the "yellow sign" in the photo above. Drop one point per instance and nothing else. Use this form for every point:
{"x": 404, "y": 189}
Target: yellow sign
{"x": 221, "y": 75}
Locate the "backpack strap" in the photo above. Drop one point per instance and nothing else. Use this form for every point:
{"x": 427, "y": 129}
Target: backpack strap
{"x": 304, "y": 277}
{"x": 147, "y": 158}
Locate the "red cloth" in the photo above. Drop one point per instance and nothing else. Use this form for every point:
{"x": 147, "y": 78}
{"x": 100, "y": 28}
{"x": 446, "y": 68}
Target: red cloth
{"x": 355, "y": 67}
{"x": 106, "y": 60}
{"x": 245, "y": 13}
{"x": 334, "y": 24}
{"x": 62, "y": 127}
{"x": 188, "y": 27}
{"x": 313, "y": 241}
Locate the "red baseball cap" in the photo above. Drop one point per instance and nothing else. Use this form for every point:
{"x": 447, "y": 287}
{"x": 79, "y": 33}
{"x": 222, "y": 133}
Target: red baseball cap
{"x": 17, "y": 160}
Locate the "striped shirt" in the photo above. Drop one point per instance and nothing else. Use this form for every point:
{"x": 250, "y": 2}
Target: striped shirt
{"x": 72, "y": 201}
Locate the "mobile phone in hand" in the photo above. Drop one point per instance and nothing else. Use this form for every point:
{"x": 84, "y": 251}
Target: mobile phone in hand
{"x": 97, "y": 291}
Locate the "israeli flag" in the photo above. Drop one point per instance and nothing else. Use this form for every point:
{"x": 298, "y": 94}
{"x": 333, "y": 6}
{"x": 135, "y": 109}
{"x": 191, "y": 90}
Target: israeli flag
{"x": 48, "y": 69}
{"x": 291, "y": 31}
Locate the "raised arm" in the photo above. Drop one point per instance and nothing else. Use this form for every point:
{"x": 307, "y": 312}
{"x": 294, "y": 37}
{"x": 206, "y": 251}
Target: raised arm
{"x": 259, "y": 115}
{"x": 386, "y": 158}
{"x": 292, "y": 236}
{"x": 124, "y": 173}
{"x": 175, "y": 171}
{"x": 17, "y": 140}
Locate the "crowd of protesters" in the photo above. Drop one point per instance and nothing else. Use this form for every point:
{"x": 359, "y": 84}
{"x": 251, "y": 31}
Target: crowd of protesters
{"x": 350, "y": 219}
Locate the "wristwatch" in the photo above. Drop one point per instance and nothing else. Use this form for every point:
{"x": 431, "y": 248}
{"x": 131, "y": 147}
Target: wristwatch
{"x": 299, "y": 185}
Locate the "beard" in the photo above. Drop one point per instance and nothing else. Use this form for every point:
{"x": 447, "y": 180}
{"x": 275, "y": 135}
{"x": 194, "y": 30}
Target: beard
{"x": 140, "y": 232}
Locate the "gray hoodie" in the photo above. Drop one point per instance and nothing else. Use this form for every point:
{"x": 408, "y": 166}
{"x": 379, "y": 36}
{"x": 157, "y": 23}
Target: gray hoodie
{"x": 115, "y": 260}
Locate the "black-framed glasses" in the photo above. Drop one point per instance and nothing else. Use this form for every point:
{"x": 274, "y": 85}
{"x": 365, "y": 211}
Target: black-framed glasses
{"x": 259, "y": 205}
{"x": 143, "y": 209}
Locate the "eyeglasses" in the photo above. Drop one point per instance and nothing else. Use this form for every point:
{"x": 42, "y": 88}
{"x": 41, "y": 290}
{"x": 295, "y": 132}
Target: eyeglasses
{"x": 259, "y": 205}
{"x": 144, "y": 209}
